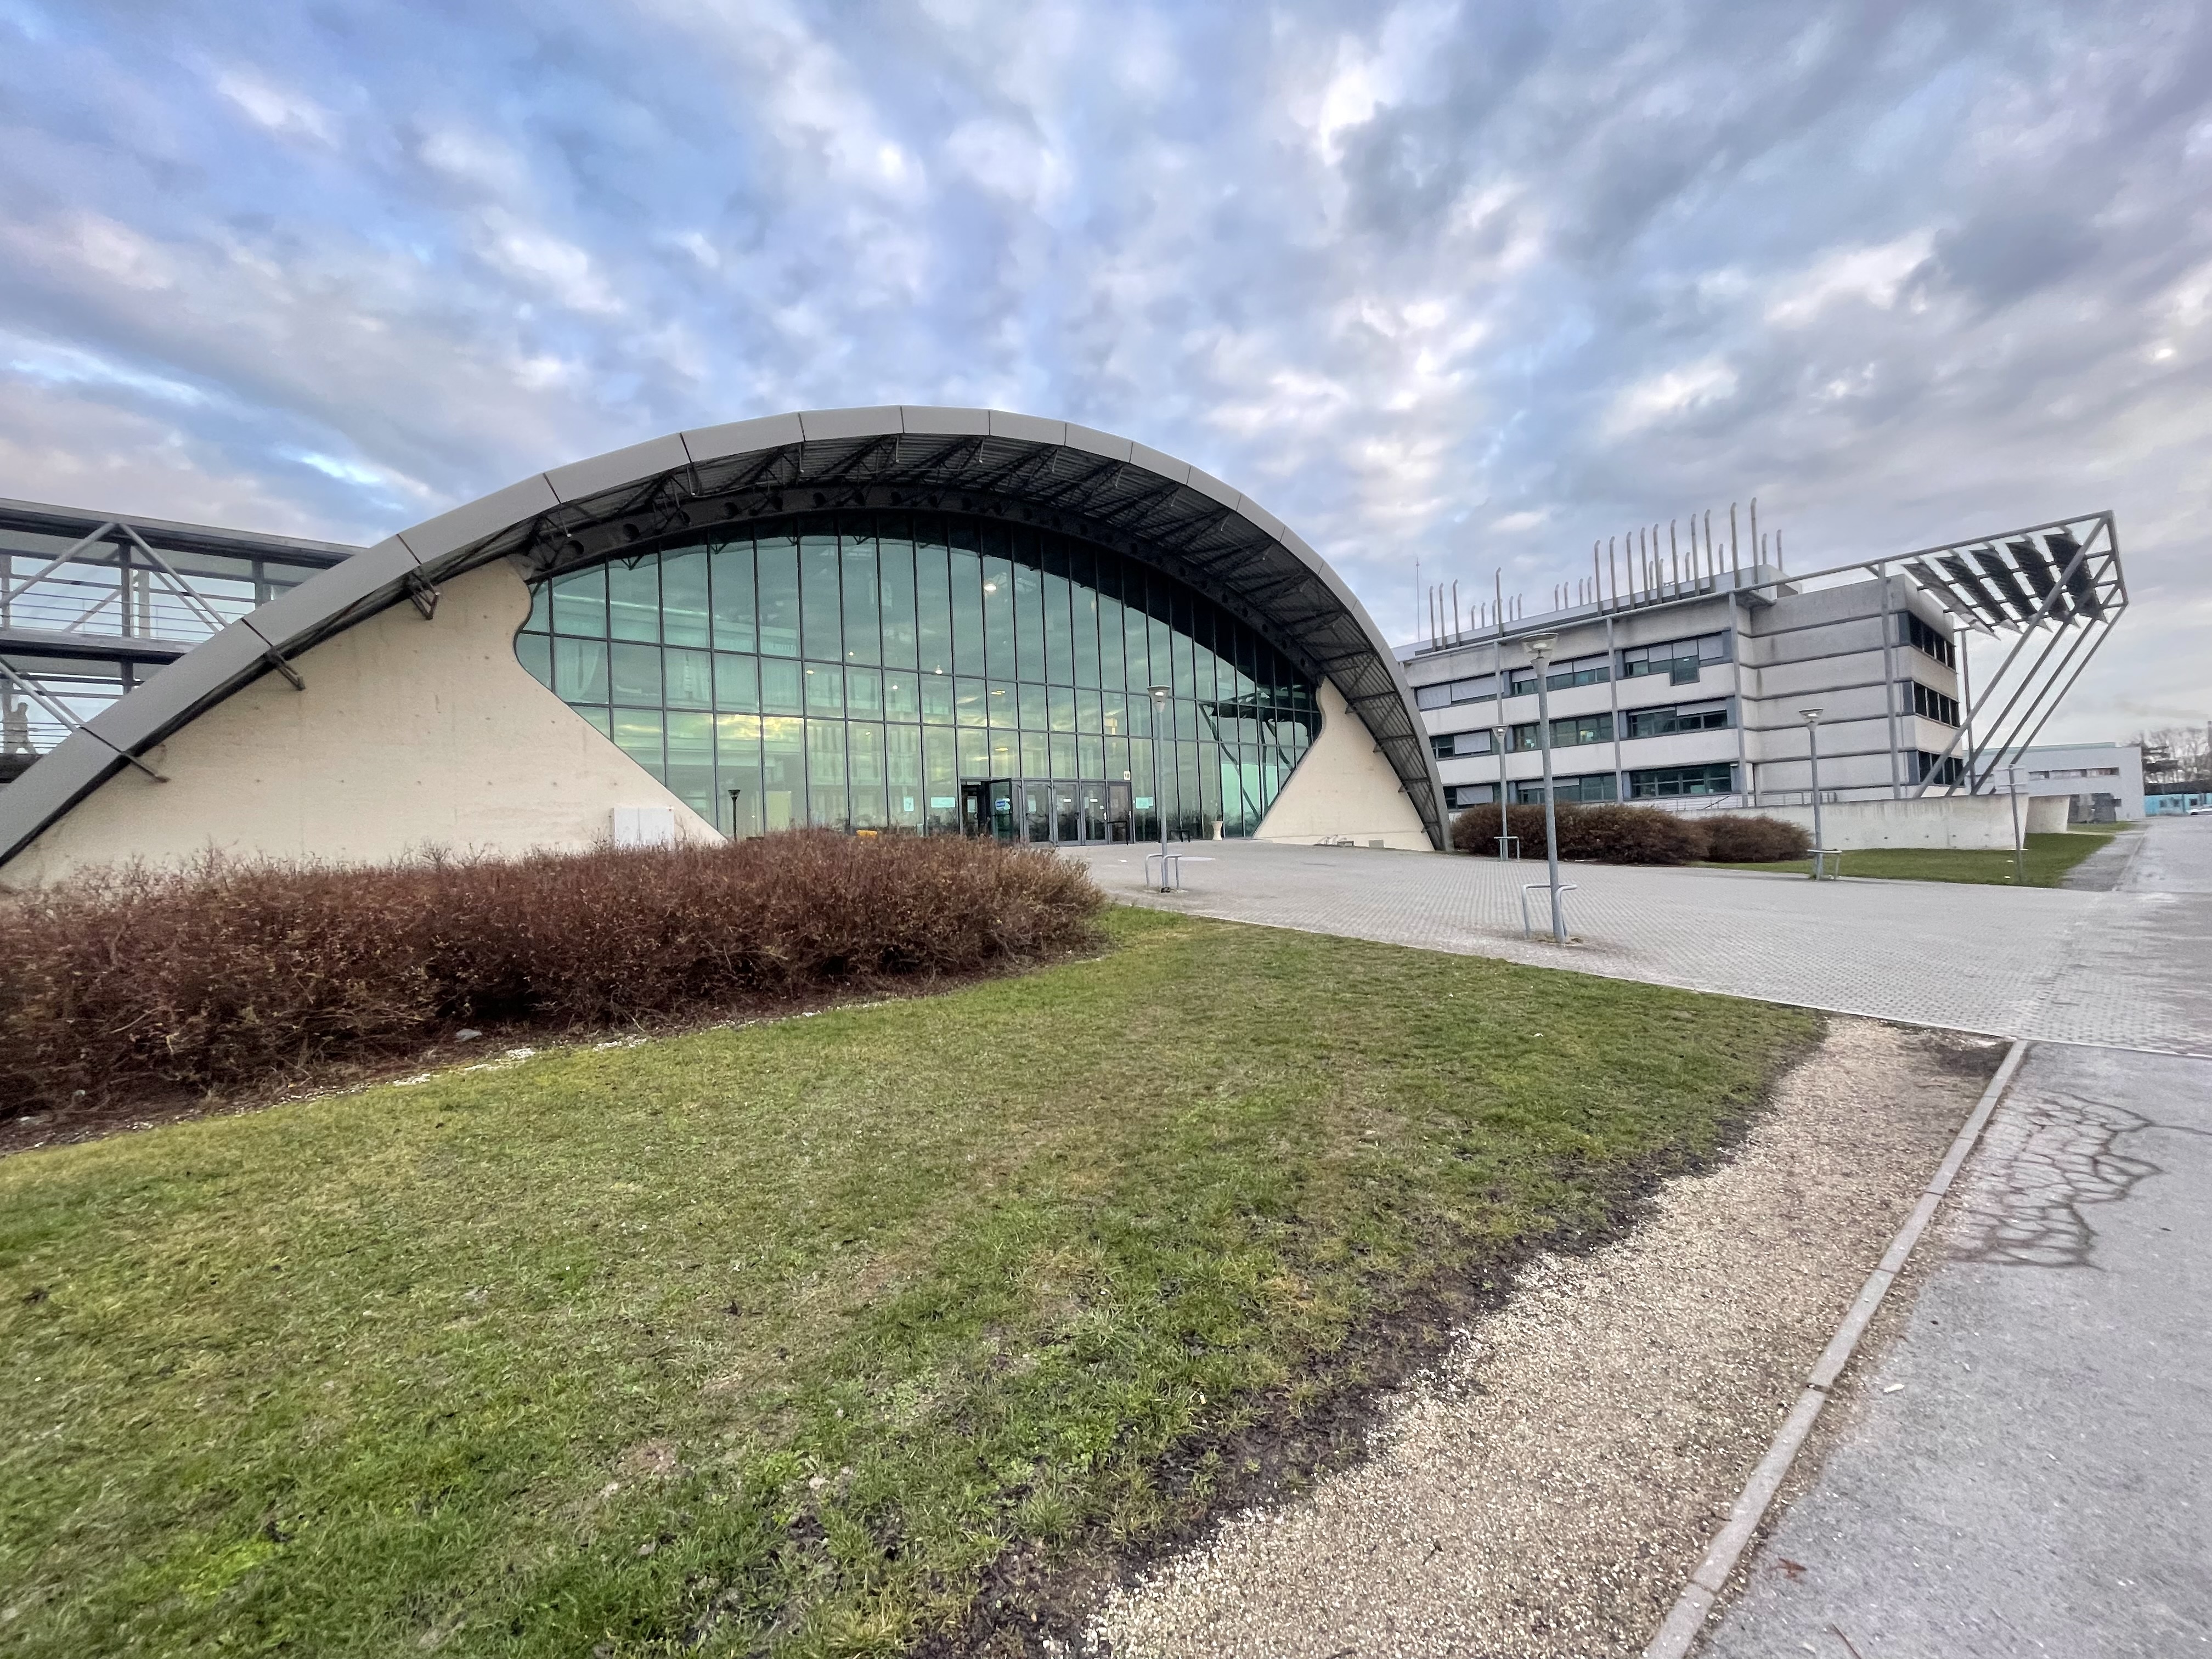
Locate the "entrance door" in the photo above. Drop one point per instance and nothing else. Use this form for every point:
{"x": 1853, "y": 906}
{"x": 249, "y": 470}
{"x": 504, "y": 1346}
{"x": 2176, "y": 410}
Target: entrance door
{"x": 1119, "y": 820}
{"x": 1004, "y": 825}
{"x": 1092, "y": 798}
{"x": 1037, "y": 812}
{"x": 1067, "y": 814}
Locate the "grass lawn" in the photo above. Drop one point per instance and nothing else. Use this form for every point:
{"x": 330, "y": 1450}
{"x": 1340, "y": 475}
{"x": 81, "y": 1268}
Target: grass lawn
{"x": 777, "y": 1338}
{"x": 2048, "y": 858}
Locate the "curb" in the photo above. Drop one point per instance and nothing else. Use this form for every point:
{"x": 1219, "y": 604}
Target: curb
{"x": 1686, "y": 1619}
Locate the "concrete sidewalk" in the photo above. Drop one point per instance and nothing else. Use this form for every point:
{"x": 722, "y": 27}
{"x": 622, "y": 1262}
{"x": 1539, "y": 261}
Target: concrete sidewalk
{"x": 2027, "y": 1469}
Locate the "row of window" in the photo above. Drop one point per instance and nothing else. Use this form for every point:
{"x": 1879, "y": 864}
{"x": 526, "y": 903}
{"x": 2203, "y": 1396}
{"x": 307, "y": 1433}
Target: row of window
{"x": 622, "y": 675}
{"x": 1931, "y": 704}
{"x": 859, "y": 678}
{"x": 1571, "y": 730}
{"x": 1681, "y": 660}
{"x": 753, "y": 773}
{"x": 927, "y": 593}
{"x": 1931, "y": 641}
{"x": 1648, "y": 783}
{"x": 1938, "y": 769}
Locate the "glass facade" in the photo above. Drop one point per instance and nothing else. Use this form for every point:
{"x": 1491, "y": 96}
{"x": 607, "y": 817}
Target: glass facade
{"x": 925, "y": 671}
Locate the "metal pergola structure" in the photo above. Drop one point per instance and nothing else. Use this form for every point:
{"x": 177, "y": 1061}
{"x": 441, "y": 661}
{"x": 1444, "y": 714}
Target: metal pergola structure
{"x": 2056, "y": 590}
{"x": 93, "y": 605}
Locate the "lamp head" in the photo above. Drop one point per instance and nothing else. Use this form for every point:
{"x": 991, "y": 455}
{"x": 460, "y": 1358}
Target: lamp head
{"x": 1161, "y": 693}
{"x": 1811, "y": 716}
{"x": 1541, "y": 646}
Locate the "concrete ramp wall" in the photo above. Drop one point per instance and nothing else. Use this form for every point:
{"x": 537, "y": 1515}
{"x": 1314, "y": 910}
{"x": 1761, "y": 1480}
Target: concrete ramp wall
{"x": 1970, "y": 821}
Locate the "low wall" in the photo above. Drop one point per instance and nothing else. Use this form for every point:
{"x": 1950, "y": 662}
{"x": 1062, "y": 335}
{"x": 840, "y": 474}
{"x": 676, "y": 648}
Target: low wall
{"x": 1984, "y": 821}
{"x": 2045, "y": 814}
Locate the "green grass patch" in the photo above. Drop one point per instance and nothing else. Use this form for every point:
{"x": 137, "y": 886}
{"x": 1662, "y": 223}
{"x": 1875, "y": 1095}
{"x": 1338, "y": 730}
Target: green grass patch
{"x": 2047, "y": 858}
{"x": 777, "y": 1338}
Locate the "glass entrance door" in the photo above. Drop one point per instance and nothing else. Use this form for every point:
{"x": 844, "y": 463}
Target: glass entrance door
{"x": 1119, "y": 818}
{"x": 1037, "y": 812}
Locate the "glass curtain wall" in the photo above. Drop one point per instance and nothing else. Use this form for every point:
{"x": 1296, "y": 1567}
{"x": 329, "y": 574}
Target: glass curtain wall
{"x": 855, "y": 670}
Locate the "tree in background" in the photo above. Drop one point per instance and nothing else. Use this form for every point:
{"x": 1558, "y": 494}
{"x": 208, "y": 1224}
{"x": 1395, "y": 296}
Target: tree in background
{"x": 2177, "y": 754}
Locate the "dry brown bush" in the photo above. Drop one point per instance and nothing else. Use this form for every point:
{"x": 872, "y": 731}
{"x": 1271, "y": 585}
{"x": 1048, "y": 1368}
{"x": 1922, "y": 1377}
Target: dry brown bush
{"x": 135, "y": 983}
{"x": 1734, "y": 838}
{"x": 1592, "y": 834}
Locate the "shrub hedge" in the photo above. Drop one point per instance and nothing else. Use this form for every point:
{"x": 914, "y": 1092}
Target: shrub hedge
{"x": 133, "y": 982}
{"x": 1633, "y": 835}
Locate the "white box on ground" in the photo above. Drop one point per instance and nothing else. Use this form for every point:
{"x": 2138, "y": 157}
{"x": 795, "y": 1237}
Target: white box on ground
{"x": 645, "y": 826}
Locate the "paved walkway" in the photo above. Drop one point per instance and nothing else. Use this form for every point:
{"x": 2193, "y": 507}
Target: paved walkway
{"x": 2120, "y": 968}
{"x": 2028, "y": 1468}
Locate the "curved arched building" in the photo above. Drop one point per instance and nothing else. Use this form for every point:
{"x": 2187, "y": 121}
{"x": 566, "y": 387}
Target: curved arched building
{"x": 934, "y": 619}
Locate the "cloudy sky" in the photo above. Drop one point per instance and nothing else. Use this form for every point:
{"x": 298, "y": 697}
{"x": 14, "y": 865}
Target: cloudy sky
{"x": 1472, "y": 283}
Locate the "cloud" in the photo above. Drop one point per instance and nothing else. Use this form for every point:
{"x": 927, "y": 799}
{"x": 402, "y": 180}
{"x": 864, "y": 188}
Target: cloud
{"x": 275, "y": 109}
{"x": 1473, "y": 284}
{"x": 1662, "y": 397}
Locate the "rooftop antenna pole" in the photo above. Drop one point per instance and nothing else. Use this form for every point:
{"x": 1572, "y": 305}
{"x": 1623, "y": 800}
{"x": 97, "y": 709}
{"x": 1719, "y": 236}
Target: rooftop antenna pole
{"x": 1456, "y": 629}
{"x": 1779, "y": 562}
{"x": 1416, "y": 596}
{"x": 1735, "y": 558}
{"x": 1759, "y": 547}
{"x": 1597, "y": 578}
{"x": 1673, "y": 547}
{"x": 1611, "y": 568}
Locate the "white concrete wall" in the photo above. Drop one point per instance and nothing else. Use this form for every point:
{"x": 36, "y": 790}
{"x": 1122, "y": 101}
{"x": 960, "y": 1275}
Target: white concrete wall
{"x": 1343, "y": 785}
{"x": 1982, "y": 821}
{"x": 410, "y": 735}
{"x": 2045, "y": 815}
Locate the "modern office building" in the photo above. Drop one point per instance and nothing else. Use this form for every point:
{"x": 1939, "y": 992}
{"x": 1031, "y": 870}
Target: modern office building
{"x": 2105, "y": 780}
{"x": 935, "y": 620}
{"x": 1688, "y": 686}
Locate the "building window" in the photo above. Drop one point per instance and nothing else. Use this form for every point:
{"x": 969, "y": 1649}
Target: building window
{"x": 1588, "y": 787}
{"x": 1681, "y": 660}
{"x": 1661, "y": 782}
{"x": 1522, "y": 683}
{"x": 1929, "y": 641}
{"x": 1451, "y": 744}
{"x": 1678, "y": 717}
{"x": 1579, "y": 671}
{"x": 1934, "y": 705}
{"x": 1938, "y": 769}
{"x": 1481, "y": 688}
{"x": 1568, "y": 731}
{"x": 855, "y": 670}
{"x": 1471, "y": 794}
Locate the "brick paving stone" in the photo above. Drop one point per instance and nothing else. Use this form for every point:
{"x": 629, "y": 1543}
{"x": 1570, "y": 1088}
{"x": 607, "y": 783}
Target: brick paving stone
{"x": 2113, "y": 967}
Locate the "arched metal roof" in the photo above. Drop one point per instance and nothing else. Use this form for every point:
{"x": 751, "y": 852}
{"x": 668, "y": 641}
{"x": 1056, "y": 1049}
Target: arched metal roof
{"x": 1050, "y": 473}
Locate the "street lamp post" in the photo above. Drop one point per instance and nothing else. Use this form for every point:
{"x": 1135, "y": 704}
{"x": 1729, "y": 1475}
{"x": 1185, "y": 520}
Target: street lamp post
{"x": 1811, "y": 718}
{"x": 1160, "y": 695}
{"x": 734, "y": 793}
{"x": 1498, "y": 736}
{"x": 1539, "y": 652}
{"x": 2019, "y": 841}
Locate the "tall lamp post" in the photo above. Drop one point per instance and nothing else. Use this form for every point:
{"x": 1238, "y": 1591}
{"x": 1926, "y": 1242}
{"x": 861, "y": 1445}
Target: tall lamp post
{"x": 735, "y": 831}
{"x": 1160, "y": 695}
{"x": 1812, "y": 719}
{"x": 2018, "y": 841}
{"x": 1498, "y": 734}
{"x": 1539, "y": 652}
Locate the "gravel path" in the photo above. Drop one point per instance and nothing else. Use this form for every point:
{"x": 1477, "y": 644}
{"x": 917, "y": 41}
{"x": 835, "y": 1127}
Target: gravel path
{"x": 1549, "y": 1487}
